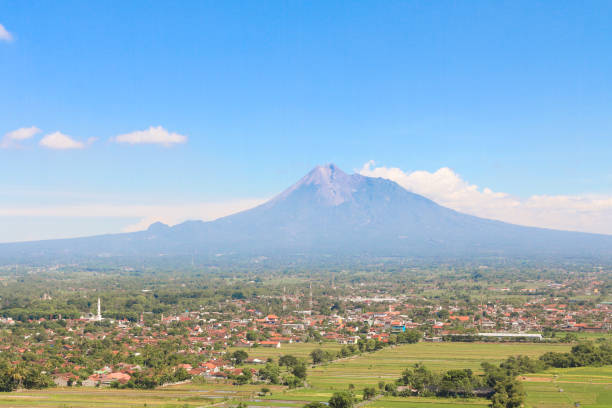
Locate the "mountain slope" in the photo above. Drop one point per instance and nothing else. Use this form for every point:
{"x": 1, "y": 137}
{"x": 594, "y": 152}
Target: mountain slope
{"x": 331, "y": 212}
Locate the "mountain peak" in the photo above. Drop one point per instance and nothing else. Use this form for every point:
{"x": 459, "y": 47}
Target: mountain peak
{"x": 158, "y": 227}
{"x": 325, "y": 173}
{"x": 332, "y": 185}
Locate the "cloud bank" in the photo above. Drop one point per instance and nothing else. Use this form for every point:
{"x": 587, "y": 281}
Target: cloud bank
{"x": 12, "y": 139}
{"x": 5, "y": 35}
{"x": 587, "y": 213}
{"x": 152, "y": 135}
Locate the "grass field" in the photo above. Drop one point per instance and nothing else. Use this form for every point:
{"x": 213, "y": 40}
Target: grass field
{"x": 183, "y": 396}
{"x": 393, "y": 402}
{"x": 591, "y": 387}
{"x": 387, "y": 364}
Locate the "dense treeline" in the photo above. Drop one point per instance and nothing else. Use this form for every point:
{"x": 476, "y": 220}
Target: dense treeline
{"x": 585, "y": 354}
{"x": 290, "y": 371}
{"x": 581, "y": 355}
{"x": 419, "y": 380}
{"x": 498, "y": 383}
{"x": 29, "y": 370}
{"x": 13, "y": 377}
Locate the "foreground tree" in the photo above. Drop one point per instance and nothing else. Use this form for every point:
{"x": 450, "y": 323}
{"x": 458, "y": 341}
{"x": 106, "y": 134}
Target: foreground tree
{"x": 317, "y": 355}
{"x": 239, "y": 356}
{"x": 270, "y": 372}
{"x": 299, "y": 370}
{"x": 508, "y": 394}
{"x": 287, "y": 360}
{"x": 369, "y": 393}
{"x": 343, "y": 399}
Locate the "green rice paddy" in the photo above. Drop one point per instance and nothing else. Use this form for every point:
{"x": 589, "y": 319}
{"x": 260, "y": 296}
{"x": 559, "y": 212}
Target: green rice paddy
{"x": 590, "y": 387}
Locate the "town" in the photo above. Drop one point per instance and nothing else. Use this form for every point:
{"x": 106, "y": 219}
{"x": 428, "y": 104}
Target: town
{"x": 88, "y": 334}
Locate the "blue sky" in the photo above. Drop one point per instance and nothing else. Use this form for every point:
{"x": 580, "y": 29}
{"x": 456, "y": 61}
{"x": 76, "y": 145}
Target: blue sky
{"x": 512, "y": 96}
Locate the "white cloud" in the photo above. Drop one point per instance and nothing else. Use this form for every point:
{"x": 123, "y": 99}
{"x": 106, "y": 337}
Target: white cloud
{"x": 60, "y": 141}
{"x": 168, "y": 214}
{"x": 23, "y": 133}
{"x": 152, "y": 135}
{"x": 5, "y": 35}
{"x": 588, "y": 213}
{"x": 10, "y": 139}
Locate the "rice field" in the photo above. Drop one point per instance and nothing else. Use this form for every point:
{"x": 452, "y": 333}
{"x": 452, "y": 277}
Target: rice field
{"x": 558, "y": 388}
{"x": 590, "y": 387}
{"x": 387, "y": 364}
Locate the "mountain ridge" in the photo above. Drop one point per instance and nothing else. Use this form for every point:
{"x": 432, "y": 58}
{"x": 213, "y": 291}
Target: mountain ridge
{"x": 331, "y": 212}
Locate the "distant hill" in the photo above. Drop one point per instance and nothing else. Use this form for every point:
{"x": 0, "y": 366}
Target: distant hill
{"x": 327, "y": 213}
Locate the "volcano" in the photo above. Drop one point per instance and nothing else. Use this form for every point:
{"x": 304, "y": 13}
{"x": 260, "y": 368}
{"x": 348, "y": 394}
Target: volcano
{"x": 329, "y": 212}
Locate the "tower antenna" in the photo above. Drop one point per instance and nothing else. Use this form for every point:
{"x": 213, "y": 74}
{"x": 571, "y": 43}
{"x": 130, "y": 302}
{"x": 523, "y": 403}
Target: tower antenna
{"x": 99, "y": 316}
{"x": 310, "y": 301}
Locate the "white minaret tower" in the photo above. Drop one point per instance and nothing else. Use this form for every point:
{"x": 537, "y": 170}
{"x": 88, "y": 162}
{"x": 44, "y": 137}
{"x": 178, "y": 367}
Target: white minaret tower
{"x": 310, "y": 301}
{"x": 99, "y": 316}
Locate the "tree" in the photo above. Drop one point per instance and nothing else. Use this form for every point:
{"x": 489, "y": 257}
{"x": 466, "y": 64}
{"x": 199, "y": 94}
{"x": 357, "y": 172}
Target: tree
{"x": 181, "y": 375}
{"x": 391, "y": 388}
{"x": 238, "y": 295}
{"x": 287, "y": 360}
{"x": 292, "y": 381}
{"x": 443, "y": 314}
{"x": 369, "y": 393}
{"x": 343, "y": 399}
{"x": 7, "y": 378}
{"x": 456, "y": 382}
{"x": 299, "y": 371}
{"x": 21, "y": 376}
{"x": 409, "y": 336}
{"x": 270, "y": 372}
{"x": 508, "y": 394}
{"x": 245, "y": 377}
{"x": 317, "y": 355}
{"x": 239, "y": 356}
{"x": 418, "y": 378}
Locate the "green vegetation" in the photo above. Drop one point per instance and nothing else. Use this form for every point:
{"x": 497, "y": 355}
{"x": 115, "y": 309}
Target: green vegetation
{"x": 197, "y": 338}
{"x": 564, "y": 387}
{"x": 343, "y": 399}
{"x": 579, "y": 384}
{"x": 20, "y": 376}
{"x": 581, "y": 355}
